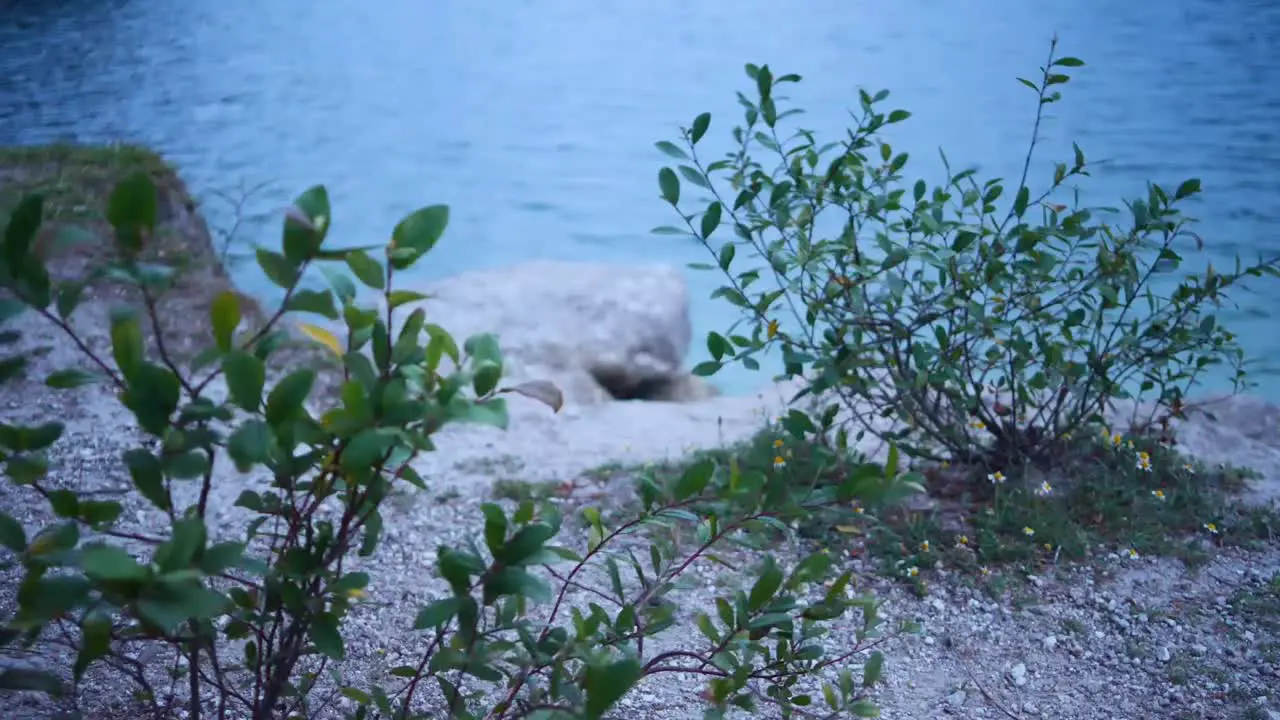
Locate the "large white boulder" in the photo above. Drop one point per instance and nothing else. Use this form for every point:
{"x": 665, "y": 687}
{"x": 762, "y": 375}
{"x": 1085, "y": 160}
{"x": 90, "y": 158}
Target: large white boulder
{"x": 601, "y": 332}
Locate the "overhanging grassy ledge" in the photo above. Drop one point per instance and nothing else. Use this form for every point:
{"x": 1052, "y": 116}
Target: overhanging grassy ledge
{"x": 76, "y": 180}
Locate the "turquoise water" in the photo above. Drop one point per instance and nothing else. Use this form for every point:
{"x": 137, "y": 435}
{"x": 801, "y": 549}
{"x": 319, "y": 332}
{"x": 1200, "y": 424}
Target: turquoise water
{"x": 535, "y": 120}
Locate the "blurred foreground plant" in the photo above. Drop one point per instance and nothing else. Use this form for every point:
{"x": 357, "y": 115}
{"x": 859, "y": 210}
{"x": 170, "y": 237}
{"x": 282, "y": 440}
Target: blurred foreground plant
{"x": 253, "y": 615}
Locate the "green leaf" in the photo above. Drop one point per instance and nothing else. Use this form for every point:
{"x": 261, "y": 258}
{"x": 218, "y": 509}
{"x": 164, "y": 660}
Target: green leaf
{"x": 106, "y": 563}
{"x": 186, "y": 466}
{"x": 11, "y": 367}
{"x": 153, "y": 394}
{"x": 126, "y": 343}
{"x": 669, "y": 184}
{"x": 319, "y": 302}
{"x": 29, "y": 680}
{"x": 20, "y": 232}
{"x": 186, "y": 543}
{"x": 71, "y": 378}
{"x": 246, "y": 375}
{"x": 26, "y": 439}
{"x": 148, "y": 477}
{"x": 1187, "y": 189}
{"x": 525, "y": 544}
{"x": 710, "y": 219}
{"x": 898, "y": 116}
{"x": 693, "y": 176}
{"x": 766, "y": 586}
{"x": 12, "y": 535}
{"x": 95, "y": 642}
{"x": 327, "y": 637}
{"x": 490, "y": 412}
{"x": 341, "y": 284}
{"x": 606, "y": 684}
{"x": 694, "y": 480}
{"x": 10, "y": 308}
{"x": 224, "y": 315}
{"x": 727, "y": 252}
{"x": 671, "y": 150}
{"x": 495, "y": 527}
{"x": 372, "y": 533}
{"x": 221, "y": 557}
{"x": 668, "y": 230}
{"x": 69, "y": 294}
{"x": 351, "y": 582}
{"x": 873, "y": 671}
{"x": 396, "y": 298}
{"x": 100, "y": 512}
{"x": 706, "y": 368}
{"x": 40, "y": 600}
{"x": 132, "y": 207}
{"x": 1068, "y": 62}
{"x": 700, "y": 125}
{"x": 437, "y": 614}
{"x": 305, "y": 224}
{"x": 865, "y": 709}
{"x": 485, "y": 377}
{"x": 278, "y": 269}
{"x": 249, "y": 444}
{"x": 366, "y": 450}
{"x": 285, "y": 402}
{"x": 1020, "y": 202}
{"x": 418, "y": 233}
{"x": 367, "y": 270}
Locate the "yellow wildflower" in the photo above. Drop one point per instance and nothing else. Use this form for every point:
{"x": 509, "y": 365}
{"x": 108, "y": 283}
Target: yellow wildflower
{"x": 772, "y": 331}
{"x": 1189, "y": 468}
{"x": 913, "y": 571}
{"x": 1158, "y": 494}
{"x": 996, "y": 478}
{"x": 983, "y": 569}
{"x": 1133, "y": 554}
{"x": 777, "y": 443}
{"x": 1144, "y": 462}
{"x": 977, "y": 424}
{"x": 924, "y": 546}
{"x": 1045, "y": 489}
{"x": 1029, "y": 532}
{"x": 779, "y": 462}
{"x": 962, "y": 540}
{"x": 1212, "y": 528}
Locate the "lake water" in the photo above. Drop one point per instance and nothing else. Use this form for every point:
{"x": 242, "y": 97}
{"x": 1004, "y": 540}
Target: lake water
{"x": 535, "y": 120}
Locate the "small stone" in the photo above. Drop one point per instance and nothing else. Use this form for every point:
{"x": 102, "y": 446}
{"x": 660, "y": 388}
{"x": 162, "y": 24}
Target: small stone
{"x": 1199, "y": 649}
{"x": 1163, "y": 654}
{"x": 1018, "y": 674}
{"x": 956, "y": 699}
{"x": 1050, "y": 642}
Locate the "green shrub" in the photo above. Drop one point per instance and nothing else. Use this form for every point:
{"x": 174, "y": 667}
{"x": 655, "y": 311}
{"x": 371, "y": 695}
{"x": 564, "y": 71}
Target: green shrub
{"x": 256, "y": 612}
{"x": 986, "y": 319}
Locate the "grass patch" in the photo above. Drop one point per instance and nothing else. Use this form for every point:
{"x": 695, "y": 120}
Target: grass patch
{"x": 1108, "y": 493}
{"x": 76, "y": 181}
